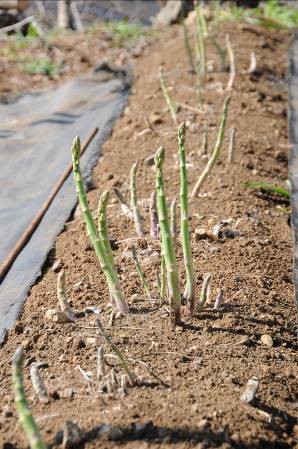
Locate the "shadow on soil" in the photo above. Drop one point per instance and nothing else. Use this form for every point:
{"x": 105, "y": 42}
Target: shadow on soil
{"x": 155, "y": 434}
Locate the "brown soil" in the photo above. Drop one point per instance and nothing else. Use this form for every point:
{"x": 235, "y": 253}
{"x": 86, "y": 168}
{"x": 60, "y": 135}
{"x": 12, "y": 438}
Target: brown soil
{"x": 70, "y": 53}
{"x": 205, "y": 363}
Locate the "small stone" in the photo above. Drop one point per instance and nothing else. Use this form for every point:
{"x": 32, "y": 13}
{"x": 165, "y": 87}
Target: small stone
{"x": 115, "y": 433}
{"x": 66, "y": 393}
{"x": 91, "y": 341}
{"x": 267, "y": 340}
{"x": 203, "y": 424}
{"x": 57, "y": 266}
{"x": 250, "y": 390}
{"x": 149, "y": 160}
{"x": 72, "y": 435}
{"x": 57, "y": 316}
{"x": 26, "y": 344}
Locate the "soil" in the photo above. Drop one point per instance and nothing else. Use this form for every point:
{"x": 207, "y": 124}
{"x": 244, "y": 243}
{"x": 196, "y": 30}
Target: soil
{"x": 202, "y": 366}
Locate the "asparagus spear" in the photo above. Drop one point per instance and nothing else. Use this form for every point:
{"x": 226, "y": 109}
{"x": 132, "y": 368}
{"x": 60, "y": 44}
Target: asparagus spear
{"x": 166, "y": 239}
{"x": 25, "y": 416}
{"x": 153, "y": 217}
{"x": 216, "y": 150}
{"x": 134, "y": 202}
{"x": 185, "y": 235}
{"x": 140, "y": 271}
{"x": 109, "y": 271}
{"x": 171, "y": 105}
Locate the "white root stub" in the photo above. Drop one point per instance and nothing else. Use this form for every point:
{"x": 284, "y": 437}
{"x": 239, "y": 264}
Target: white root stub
{"x": 251, "y": 390}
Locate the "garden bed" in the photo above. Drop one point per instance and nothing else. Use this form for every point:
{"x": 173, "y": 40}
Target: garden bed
{"x": 205, "y": 363}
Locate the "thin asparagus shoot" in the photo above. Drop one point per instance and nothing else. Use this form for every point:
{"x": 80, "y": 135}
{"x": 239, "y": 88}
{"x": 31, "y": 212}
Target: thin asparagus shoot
{"x": 204, "y": 148}
{"x": 25, "y": 416}
{"x": 204, "y": 292}
{"x": 108, "y": 270}
{"x": 231, "y": 145}
{"x": 62, "y": 297}
{"x": 130, "y": 374}
{"x": 216, "y": 152}
{"x": 103, "y": 227}
{"x": 124, "y": 206}
{"x": 231, "y": 55}
{"x": 173, "y": 220}
{"x": 218, "y": 300}
{"x": 188, "y": 46}
{"x": 184, "y": 223}
{"x": 153, "y": 217}
{"x": 134, "y": 202}
{"x": 140, "y": 271}
{"x": 167, "y": 240}
{"x": 171, "y": 104}
{"x": 200, "y": 50}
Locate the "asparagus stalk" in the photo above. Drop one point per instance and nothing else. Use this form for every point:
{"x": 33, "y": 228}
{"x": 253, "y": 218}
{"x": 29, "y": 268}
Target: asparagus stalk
{"x": 216, "y": 152}
{"x": 130, "y": 374}
{"x": 25, "y": 416}
{"x": 62, "y": 297}
{"x": 188, "y": 47}
{"x": 103, "y": 227}
{"x": 153, "y": 217}
{"x": 173, "y": 221}
{"x": 171, "y": 105}
{"x": 200, "y": 50}
{"x": 140, "y": 271}
{"x": 232, "y": 62}
{"x": 231, "y": 145}
{"x": 166, "y": 239}
{"x": 204, "y": 292}
{"x": 109, "y": 271}
{"x": 185, "y": 235}
{"x": 134, "y": 202}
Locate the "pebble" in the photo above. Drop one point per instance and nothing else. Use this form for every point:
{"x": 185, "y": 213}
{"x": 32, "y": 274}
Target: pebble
{"x": 67, "y": 393}
{"x": 56, "y": 315}
{"x": 57, "y": 266}
{"x": 149, "y": 160}
{"x": 267, "y": 340}
{"x": 155, "y": 118}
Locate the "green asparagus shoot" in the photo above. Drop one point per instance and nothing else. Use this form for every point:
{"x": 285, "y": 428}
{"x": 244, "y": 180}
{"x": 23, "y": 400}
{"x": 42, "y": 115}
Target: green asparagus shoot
{"x": 134, "y": 202}
{"x": 171, "y": 104}
{"x": 184, "y": 223}
{"x": 104, "y": 259}
{"x": 216, "y": 152}
{"x": 27, "y": 421}
{"x": 167, "y": 240}
{"x": 140, "y": 271}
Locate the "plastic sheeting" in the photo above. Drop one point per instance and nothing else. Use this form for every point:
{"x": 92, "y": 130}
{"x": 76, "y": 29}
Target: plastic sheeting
{"x": 293, "y": 161}
{"x": 36, "y": 133}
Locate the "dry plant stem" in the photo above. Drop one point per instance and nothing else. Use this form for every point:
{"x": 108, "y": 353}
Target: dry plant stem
{"x": 188, "y": 46}
{"x": 140, "y": 271}
{"x": 62, "y": 298}
{"x": 216, "y": 152}
{"x": 184, "y": 223}
{"x": 218, "y": 300}
{"x": 171, "y": 105}
{"x": 200, "y": 50}
{"x": 153, "y": 217}
{"x": 103, "y": 227}
{"x": 231, "y": 55}
{"x": 124, "y": 206}
{"x": 134, "y": 202}
{"x": 203, "y": 297}
{"x": 25, "y": 416}
{"x": 253, "y": 63}
{"x": 166, "y": 239}
{"x": 38, "y": 384}
{"x": 130, "y": 374}
{"x": 173, "y": 221}
{"x": 231, "y": 145}
{"x": 204, "y": 149}
{"x": 109, "y": 271}
{"x": 101, "y": 366}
